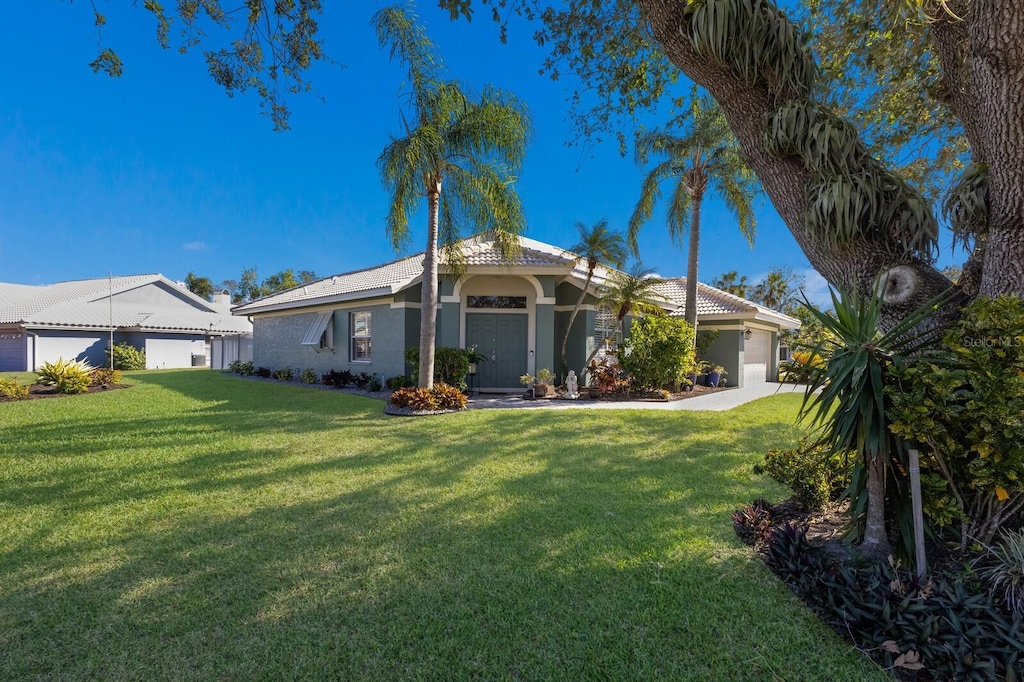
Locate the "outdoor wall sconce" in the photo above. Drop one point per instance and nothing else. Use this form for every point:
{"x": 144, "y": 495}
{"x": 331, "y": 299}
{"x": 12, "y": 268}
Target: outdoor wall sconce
{"x": 747, "y": 334}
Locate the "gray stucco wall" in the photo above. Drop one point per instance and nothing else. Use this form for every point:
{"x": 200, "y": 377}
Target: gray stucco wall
{"x": 727, "y": 351}
{"x": 277, "y": 342}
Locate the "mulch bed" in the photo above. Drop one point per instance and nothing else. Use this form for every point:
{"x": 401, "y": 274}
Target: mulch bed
{"x": 616, "y": 397}
{"x": 37, "y": 391}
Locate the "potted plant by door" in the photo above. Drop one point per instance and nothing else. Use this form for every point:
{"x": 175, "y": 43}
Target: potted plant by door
{"x": 714, "y": 374}
{"x": 473, "y": 357}
{"x": 542, "y": 384}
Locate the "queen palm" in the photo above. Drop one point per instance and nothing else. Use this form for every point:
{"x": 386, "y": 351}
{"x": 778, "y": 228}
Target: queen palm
{"x": 705, "y": 155}
{"x": 597, "y": 244}
{"x": 628, "y": 293}
{"x": 458, "y": 152}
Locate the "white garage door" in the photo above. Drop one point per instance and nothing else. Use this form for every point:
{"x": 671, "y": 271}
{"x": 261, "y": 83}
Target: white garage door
{"x": 756, "y": 353}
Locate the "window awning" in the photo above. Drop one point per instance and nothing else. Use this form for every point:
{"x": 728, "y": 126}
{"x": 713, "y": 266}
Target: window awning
{"x": 316, "y": 330}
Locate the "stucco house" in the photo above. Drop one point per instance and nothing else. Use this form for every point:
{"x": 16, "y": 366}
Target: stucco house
{"x": 514, "y": 313}
{"x": 76, "y": 320}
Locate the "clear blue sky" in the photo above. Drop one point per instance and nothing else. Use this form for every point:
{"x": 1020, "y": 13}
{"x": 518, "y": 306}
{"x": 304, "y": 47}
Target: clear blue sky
{"x": 159, "y": 171}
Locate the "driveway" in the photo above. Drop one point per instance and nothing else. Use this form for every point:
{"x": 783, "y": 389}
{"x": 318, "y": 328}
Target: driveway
{"x": 717, "y": 401}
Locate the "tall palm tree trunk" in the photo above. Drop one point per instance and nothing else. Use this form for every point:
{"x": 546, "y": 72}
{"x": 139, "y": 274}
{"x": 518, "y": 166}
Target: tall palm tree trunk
{"x": 690, "y": 312}
{"x": 572, "y": 319}
{"x": 428, "y": 300}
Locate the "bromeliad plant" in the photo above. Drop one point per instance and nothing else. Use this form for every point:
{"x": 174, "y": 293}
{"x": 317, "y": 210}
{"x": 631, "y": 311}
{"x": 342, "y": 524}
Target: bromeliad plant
{"x": 69, "y": 376}
{"x": 847, "y": 403}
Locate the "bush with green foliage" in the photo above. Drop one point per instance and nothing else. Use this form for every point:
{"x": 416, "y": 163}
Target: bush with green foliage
{"x": 127, "y": 357}
{"x": 283, "y": 374}
{"x": 362, "y": 380}
{"x": 815, "y": 473}
{"x": 102, "y": 376}
{"x": 244, "y": 368}
{"x": 263, "y": 372}
{"x": 1003, "y": 570}
{"x": 308, "y": 376}
{"x": 338, "y": 379}
{"x": 12, "y": 389}
{"x": 438, "y": 397}
{"x": 69, "y": 376}
{"x": 659, "y": 352}
{"x": 375, "y": 384}
{"x": 962, "y": 406}
{"x": 397, "y": 382}
{"x": 946, "y": 626}
{"x": 451, "y": 365}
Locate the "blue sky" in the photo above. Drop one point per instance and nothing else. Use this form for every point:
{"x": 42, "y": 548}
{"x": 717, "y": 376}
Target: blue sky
{"x": 160, "y": 171}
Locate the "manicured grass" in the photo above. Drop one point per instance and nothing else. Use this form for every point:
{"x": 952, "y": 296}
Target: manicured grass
{"x": 200, "y": 526}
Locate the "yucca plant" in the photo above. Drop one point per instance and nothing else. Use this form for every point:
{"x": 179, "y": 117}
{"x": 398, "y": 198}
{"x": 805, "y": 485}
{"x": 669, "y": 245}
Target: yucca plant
{"x": 69, "y": 376}
{"x": 846, "y": 399}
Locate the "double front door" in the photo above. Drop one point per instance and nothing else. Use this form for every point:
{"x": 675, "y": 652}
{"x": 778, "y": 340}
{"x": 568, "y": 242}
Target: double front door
{"x": 501, "y": 338}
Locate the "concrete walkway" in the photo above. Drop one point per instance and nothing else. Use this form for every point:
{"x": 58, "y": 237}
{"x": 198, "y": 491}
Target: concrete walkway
{"x": 717, "y": 401}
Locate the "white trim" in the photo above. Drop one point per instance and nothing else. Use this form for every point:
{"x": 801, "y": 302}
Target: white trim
{"x": 322, "y": 328}
{"x": 354, "y": 305}
{"x": 449, "y": 299}
{"x": 568, "y": 308}
{"x": 547, "y": 300}
{"x": 405, "y": 304}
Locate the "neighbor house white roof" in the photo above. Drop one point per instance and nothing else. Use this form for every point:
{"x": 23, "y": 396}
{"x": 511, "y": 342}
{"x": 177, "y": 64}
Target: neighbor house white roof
{"x": 96, "y": 303}
{"x": 481, "y": 254}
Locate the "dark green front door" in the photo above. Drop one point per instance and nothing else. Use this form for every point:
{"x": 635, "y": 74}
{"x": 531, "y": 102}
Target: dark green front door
{"x": 501, "y": 338}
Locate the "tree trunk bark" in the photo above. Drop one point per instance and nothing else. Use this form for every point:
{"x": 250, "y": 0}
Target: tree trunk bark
{"x": 861, "y": 265}
{"x": 692, "y": 258}
{"x": 428, "y": 299}
{"x": 875, "y": 544}
{"x": 572, "y": 319}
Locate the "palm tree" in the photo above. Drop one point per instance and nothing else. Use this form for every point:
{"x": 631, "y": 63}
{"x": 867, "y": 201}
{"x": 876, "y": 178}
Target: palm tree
{"x": 628, "y": 293}
{"x": 779, "y": 290}
{"x": 705, "y": 155}
{"x": 597, "y": 244}
{"x": 458, "y": 152}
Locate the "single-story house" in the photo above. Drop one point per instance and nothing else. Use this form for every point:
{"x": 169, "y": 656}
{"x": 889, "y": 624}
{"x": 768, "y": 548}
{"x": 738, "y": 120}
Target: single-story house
{"x": 79, "y": 319}
{"x": 513, "y": 313}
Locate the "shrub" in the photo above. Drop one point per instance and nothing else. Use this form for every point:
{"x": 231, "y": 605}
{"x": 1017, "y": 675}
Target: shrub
{"x": 439, "y": 397}
{"x": 12, "y": 389}
{"x": 451, "y": 365}
{"x": 449, "y": 397}
{"x": 800, "y": 366}
{"x": 400, "y": 381}
{"x": 753, "y": 522}
{"x": 962, "y": 405}
{"x": 374, "y": 384}
{"x": 816, "y": 475}
{"x": 285, "y": 374}
{"x": 244, "y": 368}
{"x": 308, "y": 376}
{"x": 338, "y": 379}
{"x": 127, "y": 357}
{"x": 942, "y": 626}
{"x": 69, "y": 376}
{"x": 658, "y": 352}
{"x": 102, "y": 376}
{"x": 263, "y": 372}
{"x": 1005, "y": 571}
{"x": 361, "y": 380}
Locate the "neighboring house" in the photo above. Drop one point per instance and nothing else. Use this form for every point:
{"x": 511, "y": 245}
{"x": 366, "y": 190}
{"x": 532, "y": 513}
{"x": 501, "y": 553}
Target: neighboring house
{"x": 76, "y": 320}
{"x": 513, "y": 313}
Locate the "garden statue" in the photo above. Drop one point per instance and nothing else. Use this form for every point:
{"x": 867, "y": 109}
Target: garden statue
{"x": 572, "y": 386}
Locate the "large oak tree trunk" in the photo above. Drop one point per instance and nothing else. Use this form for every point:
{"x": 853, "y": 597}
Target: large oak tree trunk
{"x": 858, "y": 265}
{"x": 428, "y": 299}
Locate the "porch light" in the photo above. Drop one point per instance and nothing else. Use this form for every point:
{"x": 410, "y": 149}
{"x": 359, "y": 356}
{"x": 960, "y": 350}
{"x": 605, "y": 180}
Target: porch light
{"x": 747, "y": 334}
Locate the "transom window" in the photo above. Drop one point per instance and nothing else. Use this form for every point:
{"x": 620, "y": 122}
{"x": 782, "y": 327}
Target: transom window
{"x": 496, "y": 302}
{"x": 361, "y": 336}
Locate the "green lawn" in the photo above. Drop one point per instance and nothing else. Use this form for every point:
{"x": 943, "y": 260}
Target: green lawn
{"x": 200, "y": 526}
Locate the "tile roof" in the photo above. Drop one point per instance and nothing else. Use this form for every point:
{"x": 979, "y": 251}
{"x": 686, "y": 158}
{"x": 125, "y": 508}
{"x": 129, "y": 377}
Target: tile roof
{"x": 392, "y": 277}
{"x": 712, "y": 301}
{"x": 87, "y": 304}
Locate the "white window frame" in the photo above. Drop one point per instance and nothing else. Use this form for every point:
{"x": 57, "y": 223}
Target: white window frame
{"x": 320, "y": 335}
{"x": 354, "y": 337}
{"x": 604, "y": 322}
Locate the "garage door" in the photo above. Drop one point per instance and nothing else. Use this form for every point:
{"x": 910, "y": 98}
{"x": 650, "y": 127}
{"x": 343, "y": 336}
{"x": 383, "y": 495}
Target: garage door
{"x": 756, "y": 353}
{"x": 12, "y": 352}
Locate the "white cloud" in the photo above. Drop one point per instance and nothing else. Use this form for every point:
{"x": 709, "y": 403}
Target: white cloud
{"x": 194, "y": 246}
